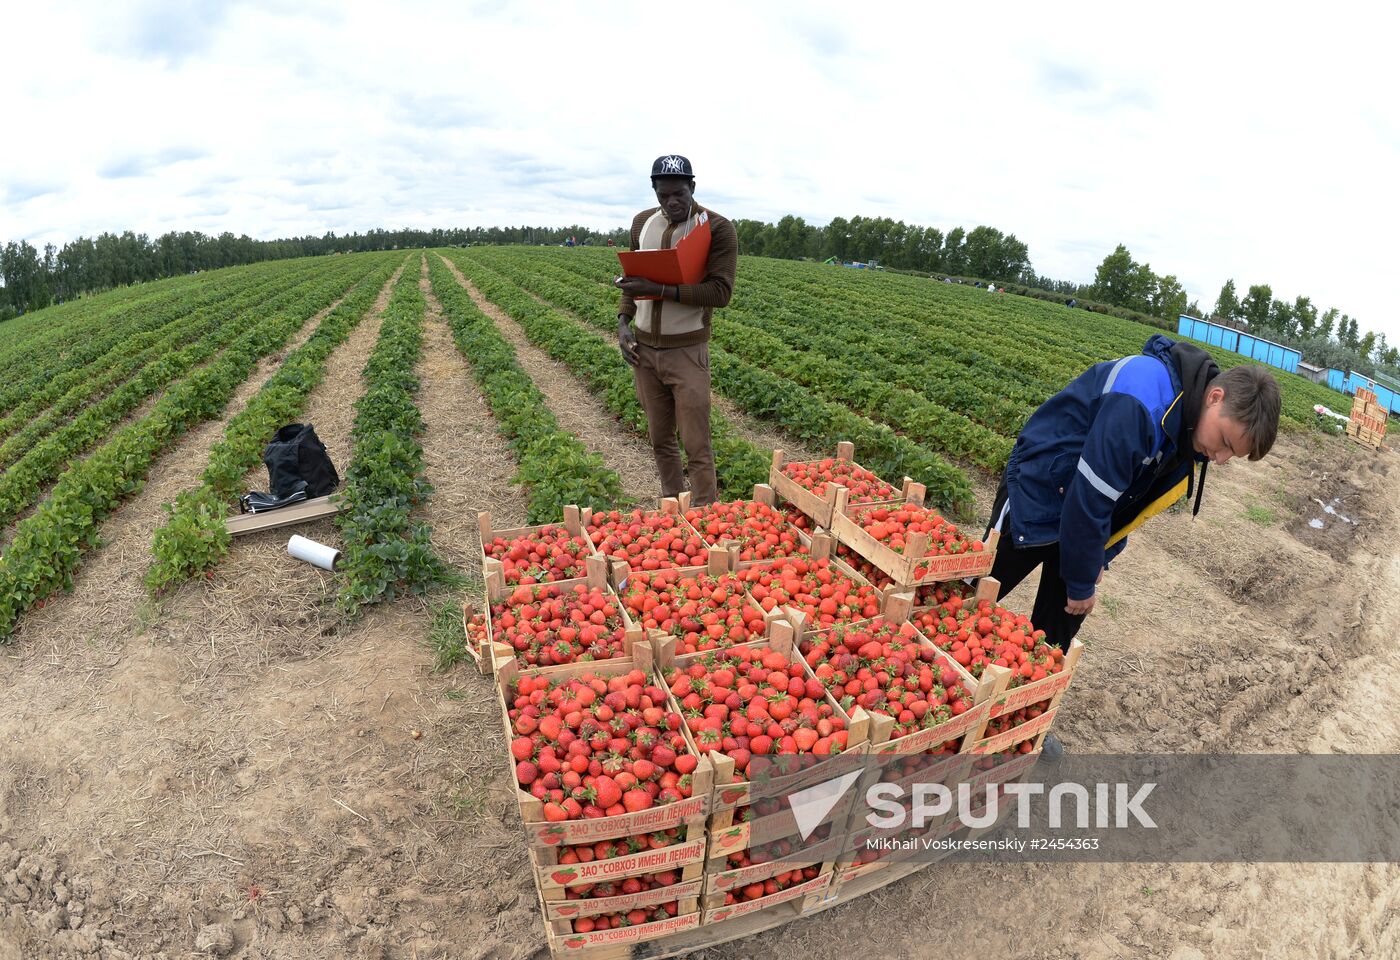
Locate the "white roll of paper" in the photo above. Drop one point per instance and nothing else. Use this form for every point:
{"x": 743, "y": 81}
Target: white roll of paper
{"x": 317, "y": 554}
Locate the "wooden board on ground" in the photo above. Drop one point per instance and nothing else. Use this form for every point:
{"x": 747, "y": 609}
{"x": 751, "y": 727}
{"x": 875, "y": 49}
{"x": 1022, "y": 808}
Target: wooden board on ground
{"x": 247, "y": 523}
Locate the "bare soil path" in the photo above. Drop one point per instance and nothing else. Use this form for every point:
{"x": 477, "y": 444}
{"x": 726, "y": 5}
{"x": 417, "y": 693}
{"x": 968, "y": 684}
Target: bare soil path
{"x": 469, "y": 464}
{"x": 575, "y": 407}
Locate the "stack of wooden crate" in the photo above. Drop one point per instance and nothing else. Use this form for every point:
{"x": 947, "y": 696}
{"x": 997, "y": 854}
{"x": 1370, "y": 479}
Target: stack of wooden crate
{"x": 1368, "y": 419}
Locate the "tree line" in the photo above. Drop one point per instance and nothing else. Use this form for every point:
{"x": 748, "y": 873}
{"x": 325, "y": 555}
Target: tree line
{"x": 33, "y": 279}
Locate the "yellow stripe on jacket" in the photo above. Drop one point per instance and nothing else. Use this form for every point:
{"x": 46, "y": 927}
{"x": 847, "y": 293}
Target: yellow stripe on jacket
{"x": 1151, "y": 510}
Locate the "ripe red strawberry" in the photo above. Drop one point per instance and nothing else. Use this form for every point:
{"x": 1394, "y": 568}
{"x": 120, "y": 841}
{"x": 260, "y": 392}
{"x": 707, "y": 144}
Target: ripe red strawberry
{"x": 822, "y": 593}
{"x": 647, "y": 541}
{"x": 863, "y": 485}
{"x": 540, "y": 556}
{"x": 705, "y": 612}
{"x": 760, "y": 530}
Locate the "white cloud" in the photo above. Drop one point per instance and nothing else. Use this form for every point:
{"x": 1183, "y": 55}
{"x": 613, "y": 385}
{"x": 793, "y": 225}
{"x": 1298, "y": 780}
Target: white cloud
{"x": 1215, "y": 141}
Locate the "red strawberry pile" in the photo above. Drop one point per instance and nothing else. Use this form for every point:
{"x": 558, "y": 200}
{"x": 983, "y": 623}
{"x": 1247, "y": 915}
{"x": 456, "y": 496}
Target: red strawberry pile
{"x": 776, "y": 850}
{"x": 541, "y": 556}
{"x": 1003, "y": 723}
{"x": 976, "y": 634}
{"x": 751, "y": 702}
{"x": 547, "y": 625}
{"x": 864, "y": 567}
{"x": 864, "y": 486}
{"x": 597, "y": 746}
{"x": 895, "y": 526}
{"x": 796, "y": 517}
{"x": 760, "y": 530}
{"x": 889, "y": 669}
{"x": 622, "y": 846}
{"x": 632, "y": 918}
{"x": 647, "y": 541}
{"x": 618, "y": 888}
{"x": 704, "y": 612}
{"x": 477, "y": 634}
{"x": 823, "y": 594}
{"x": 766, "y": 888}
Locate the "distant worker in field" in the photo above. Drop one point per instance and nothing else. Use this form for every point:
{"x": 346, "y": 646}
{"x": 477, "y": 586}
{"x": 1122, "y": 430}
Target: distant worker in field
{"x": 667, "y": 340}
{"x": 1115, "y": 447}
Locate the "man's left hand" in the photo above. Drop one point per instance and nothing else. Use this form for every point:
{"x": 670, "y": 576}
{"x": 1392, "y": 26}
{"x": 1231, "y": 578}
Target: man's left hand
{"x": 639, "y": 287}
{"x": 1081, "y": 608}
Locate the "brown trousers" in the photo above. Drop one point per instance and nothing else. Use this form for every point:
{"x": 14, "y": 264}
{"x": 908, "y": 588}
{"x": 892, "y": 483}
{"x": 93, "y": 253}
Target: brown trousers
{"x": 673, "y": 386}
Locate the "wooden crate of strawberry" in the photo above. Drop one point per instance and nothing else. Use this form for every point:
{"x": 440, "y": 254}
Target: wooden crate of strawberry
{"x": 913, "y": 545}
{"x": 757, "y": 710}
{"x": 811, "y": 486}
{"x": 1020, "y": 677}
{"x": 754, "y": 527}
{"x": 679, "y": 850}
{"x": 546, "y": 553}
{"x": 807, "y": 884}
{"x": 596, "y": 755}
{"x": 557, "y": 624}
{"x": 917, "y": 696}
{"x": 592, "y": 897}
{"x": 617, "y": 936}
{"x": 646, "y": 539}
{"x": 811, "y": 593}
{"x": 700, "y": 609}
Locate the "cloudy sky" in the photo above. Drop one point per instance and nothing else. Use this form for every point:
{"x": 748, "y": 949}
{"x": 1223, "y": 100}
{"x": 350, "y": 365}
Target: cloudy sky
{"x": 1215, "y": 141}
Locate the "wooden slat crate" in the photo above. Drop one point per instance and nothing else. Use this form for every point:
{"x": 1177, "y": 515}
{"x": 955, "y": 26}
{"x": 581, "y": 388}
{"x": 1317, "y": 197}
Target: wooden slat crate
{"x": 821, "y": 508}
{"x": 668, "y": 506}
{"x": 901, "y": 567}
{"x": 715, "y": 910}
{"x": 499, "y": 653}
{"x": 541, "y": 833}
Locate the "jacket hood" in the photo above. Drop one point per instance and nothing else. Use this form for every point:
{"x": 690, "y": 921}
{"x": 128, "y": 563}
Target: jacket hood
{"x": 1193, "y": 369}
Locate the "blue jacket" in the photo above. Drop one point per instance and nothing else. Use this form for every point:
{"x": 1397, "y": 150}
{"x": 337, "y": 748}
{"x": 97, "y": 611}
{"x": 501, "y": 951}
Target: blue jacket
{"x": 1105, "y": 453}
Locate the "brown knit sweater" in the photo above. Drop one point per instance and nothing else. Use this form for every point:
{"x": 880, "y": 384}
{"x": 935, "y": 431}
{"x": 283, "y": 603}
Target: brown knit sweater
{"x": 714, "y": 291}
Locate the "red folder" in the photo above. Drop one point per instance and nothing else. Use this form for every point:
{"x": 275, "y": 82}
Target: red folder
{"x": 683, "y": 263}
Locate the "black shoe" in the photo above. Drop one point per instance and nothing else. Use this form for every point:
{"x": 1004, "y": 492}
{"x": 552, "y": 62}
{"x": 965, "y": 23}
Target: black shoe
{"x": 1052, "y": 749}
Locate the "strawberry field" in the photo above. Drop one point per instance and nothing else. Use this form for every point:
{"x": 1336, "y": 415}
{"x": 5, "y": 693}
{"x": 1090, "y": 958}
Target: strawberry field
{"x": 208, "y": 746}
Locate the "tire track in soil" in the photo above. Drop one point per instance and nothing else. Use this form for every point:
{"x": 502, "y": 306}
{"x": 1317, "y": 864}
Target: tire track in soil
{"x": 99, "y": 699}
{"x": 575, "y": 407}
{"x": 467, "y": 460}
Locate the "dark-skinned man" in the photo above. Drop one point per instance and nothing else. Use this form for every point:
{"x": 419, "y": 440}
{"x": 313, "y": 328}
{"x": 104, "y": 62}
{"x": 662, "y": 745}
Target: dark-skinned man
{"x": 667, "y": 341}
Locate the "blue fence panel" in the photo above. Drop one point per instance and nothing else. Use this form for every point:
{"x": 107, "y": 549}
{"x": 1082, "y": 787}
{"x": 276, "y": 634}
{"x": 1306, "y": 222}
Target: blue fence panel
{"x": 1246, "y": 345}
{"x": 1230, "y": 340}
{"x": 1183, "y": 325}
{"x": 1214, "y": 335}
{"x": 1336, "y": 379}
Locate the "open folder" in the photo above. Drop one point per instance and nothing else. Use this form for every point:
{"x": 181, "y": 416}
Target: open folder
{"x": 683, "y": 263}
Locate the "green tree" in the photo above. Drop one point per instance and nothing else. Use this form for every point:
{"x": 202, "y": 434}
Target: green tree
{"x": 954, "y": 259}
{"x": 1366, "y": 344}
{"x": 1170, "y": 298}
{"x": 1305, "y": 315}
{"x": 1113, "y": 280}
{"x": 1254, "y": 308}
{"x": 1281, "y": 317}
{"x": 1227, "y": 305}
{"x": 1327, "y": 323}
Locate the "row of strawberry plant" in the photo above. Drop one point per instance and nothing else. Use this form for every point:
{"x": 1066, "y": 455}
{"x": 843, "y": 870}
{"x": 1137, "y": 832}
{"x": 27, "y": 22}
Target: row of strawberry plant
{"x": 875, "y": 397}
{"x": 554, "y": 467}
{"x": 107, "y": 335}
{"x": 977, "y": 394}
{"x": 49, "y": 408}
{"x": 27, "y": 477}
{"x": 29, "y": 338}
{"x": 1065, "y": 341}
{"x": 49, "y": 545}
{"x": 821, "y": 423}
{"x": 953, "y": 323}
{"x": 387, "y": 552}
{"x": 739, "y": 464}
{"x": 195, "y": 538}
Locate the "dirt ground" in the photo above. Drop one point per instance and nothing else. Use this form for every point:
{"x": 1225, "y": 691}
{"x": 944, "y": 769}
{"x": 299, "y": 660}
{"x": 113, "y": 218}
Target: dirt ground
{"x": 237, "y": 773}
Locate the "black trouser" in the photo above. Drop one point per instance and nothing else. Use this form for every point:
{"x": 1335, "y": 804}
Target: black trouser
{"x": 1011, "y": 566}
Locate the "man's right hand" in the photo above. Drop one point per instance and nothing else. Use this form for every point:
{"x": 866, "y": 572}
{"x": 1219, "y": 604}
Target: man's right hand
{"x": 627, "y": 341}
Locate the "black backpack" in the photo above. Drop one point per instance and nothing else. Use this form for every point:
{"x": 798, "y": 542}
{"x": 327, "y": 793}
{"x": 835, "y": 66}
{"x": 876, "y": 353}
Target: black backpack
{"x": 298, "y": 468}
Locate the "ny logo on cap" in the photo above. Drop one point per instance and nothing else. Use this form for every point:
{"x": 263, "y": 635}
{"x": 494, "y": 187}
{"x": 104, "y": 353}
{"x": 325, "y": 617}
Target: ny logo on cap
{"x": 672, "y": 165}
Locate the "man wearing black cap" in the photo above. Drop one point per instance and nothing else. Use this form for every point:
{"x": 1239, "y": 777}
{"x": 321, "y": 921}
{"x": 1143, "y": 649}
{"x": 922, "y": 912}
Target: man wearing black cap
{"x": 667, "y": 340}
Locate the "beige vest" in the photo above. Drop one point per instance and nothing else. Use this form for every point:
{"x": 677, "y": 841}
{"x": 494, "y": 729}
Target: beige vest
{"x": 667, "y": 317}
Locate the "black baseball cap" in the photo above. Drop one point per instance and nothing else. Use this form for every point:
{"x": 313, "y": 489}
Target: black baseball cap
{"x": 672, "y": 165}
